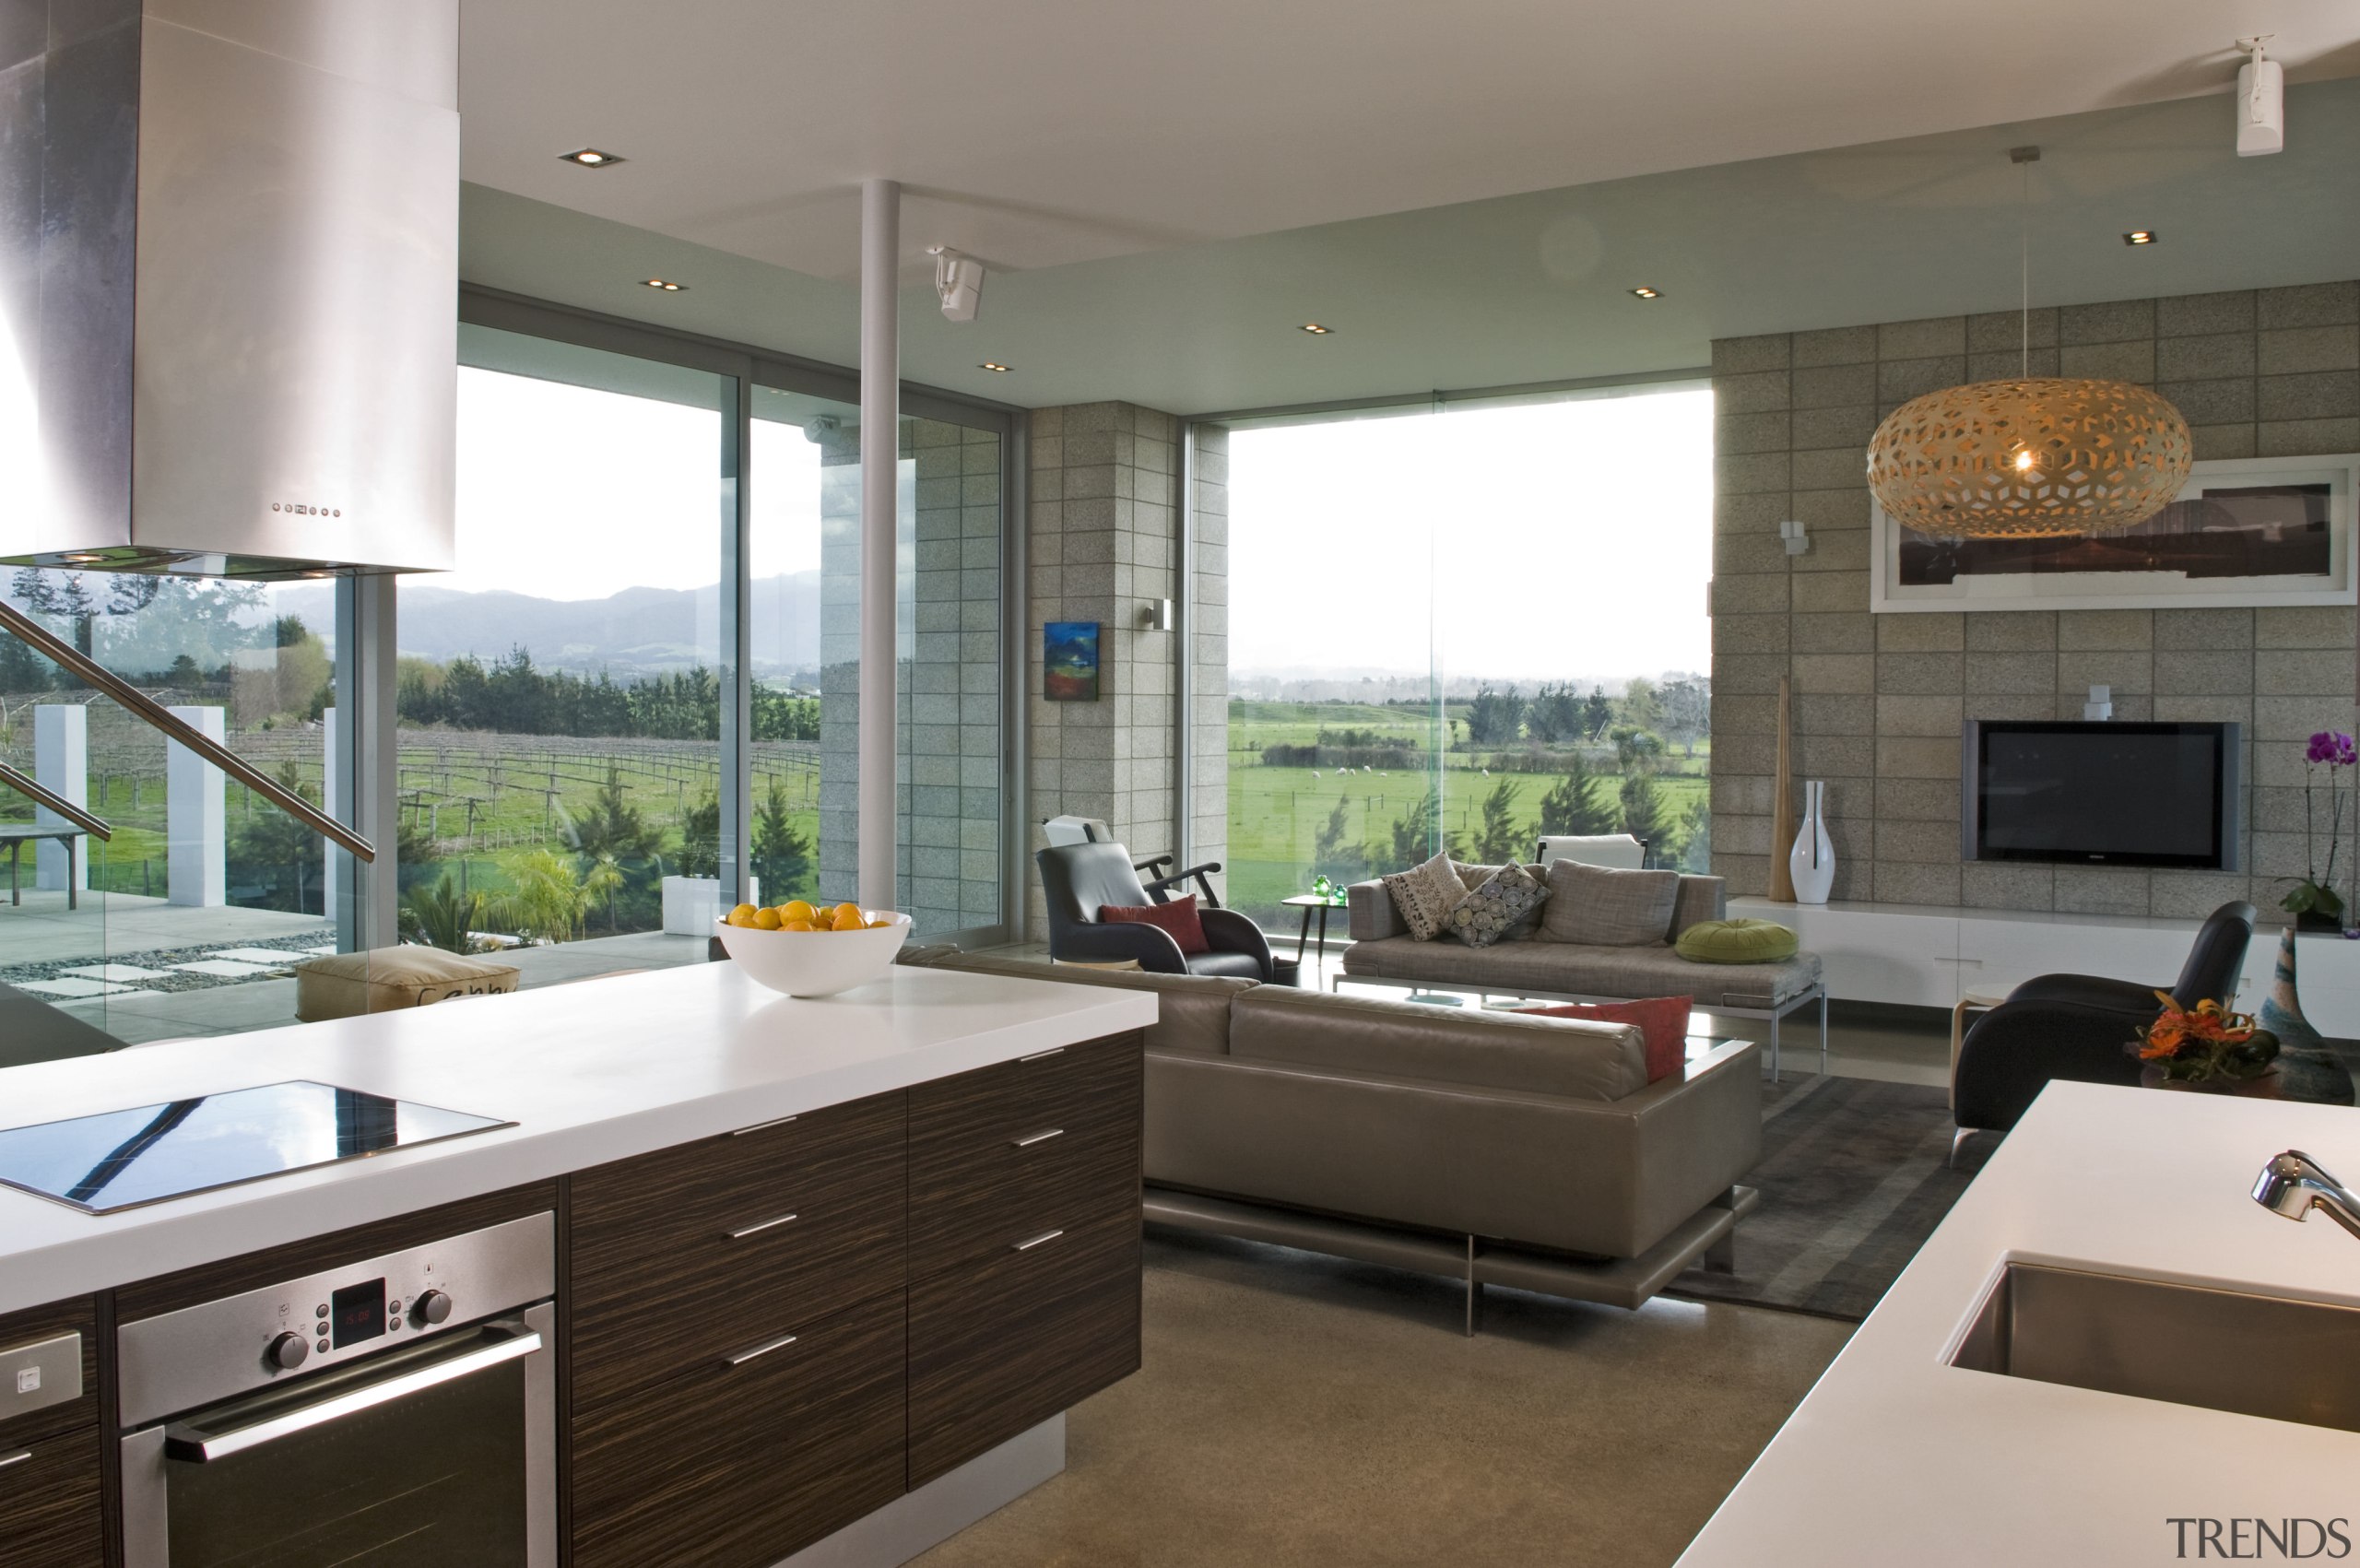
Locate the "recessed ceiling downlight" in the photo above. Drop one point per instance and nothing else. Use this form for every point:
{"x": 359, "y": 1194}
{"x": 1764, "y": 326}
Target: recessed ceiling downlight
{"x": 2140, "y": 237}
{"x": 1316, "y": 330}
{"x": 665, "y": 284}
{"x": 1644, "y": 292}
{"x": 993, "y": 365}
{"x": 591, "y": 158}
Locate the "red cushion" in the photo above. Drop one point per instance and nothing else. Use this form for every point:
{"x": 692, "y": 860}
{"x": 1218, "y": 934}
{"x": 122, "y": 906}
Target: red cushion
{"x": 1663, "y": 1019}
{"x": 1176, "y": 919}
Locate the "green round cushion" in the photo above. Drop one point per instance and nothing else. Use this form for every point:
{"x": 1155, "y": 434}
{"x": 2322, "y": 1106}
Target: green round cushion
{"x": 1736, "y": 941}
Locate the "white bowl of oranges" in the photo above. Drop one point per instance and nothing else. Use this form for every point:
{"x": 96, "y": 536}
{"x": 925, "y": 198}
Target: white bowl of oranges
{"x": 813, "y": 951}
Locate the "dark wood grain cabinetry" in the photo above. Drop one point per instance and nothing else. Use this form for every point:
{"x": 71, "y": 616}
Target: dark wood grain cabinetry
{"x": 747, "y": 1463}
{"x": 1024, "y": 1245}
{"x": 731, "y": 1241}
{"x": 744, "y": 1385}
{"x": 50, "y": 1516}
{"x": 50, "y": 1513}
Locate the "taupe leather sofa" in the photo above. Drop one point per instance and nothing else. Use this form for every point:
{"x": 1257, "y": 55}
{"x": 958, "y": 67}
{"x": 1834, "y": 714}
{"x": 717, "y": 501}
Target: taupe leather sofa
{"x": 1492, "y": 1148}
{"x": 1531, "y": 964}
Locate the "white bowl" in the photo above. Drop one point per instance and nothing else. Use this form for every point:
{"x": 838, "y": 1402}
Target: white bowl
{"x": 814, "y": 963}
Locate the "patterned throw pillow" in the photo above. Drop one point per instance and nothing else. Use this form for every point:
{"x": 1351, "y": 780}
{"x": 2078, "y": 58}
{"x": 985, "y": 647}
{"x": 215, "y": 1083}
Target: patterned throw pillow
{"x": 1425, "y": 896}
{"x": 1523, "y": 930}
{"x": 1486, "y": 914}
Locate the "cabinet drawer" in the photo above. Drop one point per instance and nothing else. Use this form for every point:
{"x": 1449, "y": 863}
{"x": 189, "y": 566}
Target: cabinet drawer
{"x": 1009, "y": 1152}
{"x": 1003, "y": 1345}
{"x": 49, "y": 1503}
{"x": 41, "y": 1325}
{"x": 738, "y": 1467}
{"x": 757, "y": 1233}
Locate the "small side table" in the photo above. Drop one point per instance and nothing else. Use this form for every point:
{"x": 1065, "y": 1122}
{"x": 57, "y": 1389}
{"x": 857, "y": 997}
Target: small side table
{"x": 1308, "y": 903}
{"x": 1981, "y": 999}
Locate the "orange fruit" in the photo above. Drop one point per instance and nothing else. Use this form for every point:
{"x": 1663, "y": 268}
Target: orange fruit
{"x": 766, "y": 919}
{"x": 796, "y": 909}
{"x": 849, "y": 912}
{"x": 878, "y": 924}
{"x": 797, "y": 925}
{"x": 742, "y": 915}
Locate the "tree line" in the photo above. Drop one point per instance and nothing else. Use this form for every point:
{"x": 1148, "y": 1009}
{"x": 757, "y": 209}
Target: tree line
{"x": 512, "y": 696}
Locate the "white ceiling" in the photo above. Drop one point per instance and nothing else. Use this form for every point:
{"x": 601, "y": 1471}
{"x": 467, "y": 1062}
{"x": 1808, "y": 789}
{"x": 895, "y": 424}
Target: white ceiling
{"x": 1533, "y": 287}
{"x": 1040, "y": 133}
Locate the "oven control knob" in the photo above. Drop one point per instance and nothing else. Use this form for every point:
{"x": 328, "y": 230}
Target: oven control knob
{"x": 432, "y": 1306}
{"x": 288, "y": 1351}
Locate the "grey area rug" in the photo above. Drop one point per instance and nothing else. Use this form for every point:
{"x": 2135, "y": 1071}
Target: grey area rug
{"x": 1853, "y": 1180}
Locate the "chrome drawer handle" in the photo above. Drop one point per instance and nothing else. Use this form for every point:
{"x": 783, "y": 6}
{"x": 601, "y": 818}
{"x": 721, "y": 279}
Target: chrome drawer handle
{"x": 761, "y": 1127}
{"x": 16, "y": 1458}
{"x": 1028, "y": 1246}
{"x": 1038, "y": 1137}
{"x": 742, "y": 1357}
{"x": 761, "y": 1225}
{"x": 1044, "y": 1055}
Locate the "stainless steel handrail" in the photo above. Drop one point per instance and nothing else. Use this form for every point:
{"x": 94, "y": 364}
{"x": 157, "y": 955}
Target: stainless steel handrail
{"x": 42, "y": 795}
{"x": 155, "y": 714}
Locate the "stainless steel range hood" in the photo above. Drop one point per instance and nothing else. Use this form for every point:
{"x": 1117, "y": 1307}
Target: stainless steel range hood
{"x": 228, "y": 279}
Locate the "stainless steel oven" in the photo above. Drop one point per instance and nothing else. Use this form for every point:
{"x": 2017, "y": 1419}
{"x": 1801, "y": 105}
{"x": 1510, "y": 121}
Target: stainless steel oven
{"x": 401, "y": 1408}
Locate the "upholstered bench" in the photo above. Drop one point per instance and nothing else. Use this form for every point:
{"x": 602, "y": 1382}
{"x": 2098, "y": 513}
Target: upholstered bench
{"x": 348, "y": 985}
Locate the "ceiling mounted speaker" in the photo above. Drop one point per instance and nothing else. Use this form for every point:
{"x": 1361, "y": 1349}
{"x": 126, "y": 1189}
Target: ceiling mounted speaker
{"x": 2000, "y": 459}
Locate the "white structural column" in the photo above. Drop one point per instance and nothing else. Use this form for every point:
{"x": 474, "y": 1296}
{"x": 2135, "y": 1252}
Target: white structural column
{"x": 880, "y": 456}
{"x": 61, "y": 764}
{"x": 197, "y": 824}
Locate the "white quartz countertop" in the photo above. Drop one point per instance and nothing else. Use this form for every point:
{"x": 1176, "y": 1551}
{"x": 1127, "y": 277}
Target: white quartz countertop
{"x": 591, "y": 1072}
{"x": 1897, "y": 1456}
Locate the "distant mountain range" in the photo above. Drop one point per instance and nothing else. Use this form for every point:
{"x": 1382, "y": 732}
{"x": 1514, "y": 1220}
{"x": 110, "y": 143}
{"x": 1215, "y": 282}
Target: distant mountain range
{"x": 637, "y": 632}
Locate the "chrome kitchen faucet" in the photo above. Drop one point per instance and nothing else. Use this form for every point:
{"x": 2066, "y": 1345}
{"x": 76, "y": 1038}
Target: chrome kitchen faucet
{"x": 2293, "y": 1185}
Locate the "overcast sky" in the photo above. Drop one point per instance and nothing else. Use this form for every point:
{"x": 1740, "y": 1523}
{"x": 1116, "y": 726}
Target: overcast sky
{"x": 1527, "y": 541}
{"x": 568, "y": 493}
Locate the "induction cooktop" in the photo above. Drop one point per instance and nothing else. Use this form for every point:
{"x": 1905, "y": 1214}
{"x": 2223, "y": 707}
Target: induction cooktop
{"x": 123, "y": 1158}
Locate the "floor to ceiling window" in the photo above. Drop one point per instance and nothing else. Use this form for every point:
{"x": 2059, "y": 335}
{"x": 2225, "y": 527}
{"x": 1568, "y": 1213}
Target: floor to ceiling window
{"x": 1460, "y": 626}
{"x": 559, "y": 692}
{"x": 187, "y": 919}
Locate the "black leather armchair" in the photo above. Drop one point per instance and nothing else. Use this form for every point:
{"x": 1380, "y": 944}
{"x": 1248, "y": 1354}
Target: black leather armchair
{"x": 1079, "y": 878}
{"x": 2076, "y": 1026}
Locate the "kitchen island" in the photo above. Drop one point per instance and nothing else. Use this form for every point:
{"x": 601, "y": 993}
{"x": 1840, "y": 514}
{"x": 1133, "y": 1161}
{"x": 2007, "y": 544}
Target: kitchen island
{"x": 816, "y": 1274}
{"x": 1896, "y": 1455}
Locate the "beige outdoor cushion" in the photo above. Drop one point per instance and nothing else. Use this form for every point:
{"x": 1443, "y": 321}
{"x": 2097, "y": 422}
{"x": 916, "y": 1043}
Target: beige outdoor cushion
{"x": 1596, "y": 907}
{"x": 1425, "y": 895}
{"x": 348, "y": 985}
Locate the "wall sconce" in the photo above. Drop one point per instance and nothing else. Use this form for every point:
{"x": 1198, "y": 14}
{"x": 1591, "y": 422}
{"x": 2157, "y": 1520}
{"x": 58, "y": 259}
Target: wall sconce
{"x": 1156, "y": 616}
{"x": 1796, "y": 540}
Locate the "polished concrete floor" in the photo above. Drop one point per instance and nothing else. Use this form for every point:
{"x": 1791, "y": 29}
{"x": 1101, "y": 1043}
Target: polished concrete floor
{"x": 1302, "y": 1412}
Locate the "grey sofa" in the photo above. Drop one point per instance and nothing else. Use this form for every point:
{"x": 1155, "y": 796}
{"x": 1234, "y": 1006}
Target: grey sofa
{"x": 1384, "y": 953}
{"x": 1491, "y": 1147}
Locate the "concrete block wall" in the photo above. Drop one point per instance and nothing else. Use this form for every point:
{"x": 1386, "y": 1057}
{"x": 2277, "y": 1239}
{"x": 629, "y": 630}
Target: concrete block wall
{"x": 1879, "y": 700}
{"x": 1102, "y": 546}
{"x": 1208, "y": 640}
{"x": 948, "y": 674}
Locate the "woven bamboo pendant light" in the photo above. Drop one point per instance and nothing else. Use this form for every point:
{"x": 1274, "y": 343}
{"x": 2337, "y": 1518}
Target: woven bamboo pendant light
{"x": 2031, "y": 456}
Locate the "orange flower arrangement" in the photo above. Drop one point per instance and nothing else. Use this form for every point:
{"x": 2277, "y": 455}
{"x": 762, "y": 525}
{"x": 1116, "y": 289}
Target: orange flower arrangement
{"x": 2205, "y": 1042}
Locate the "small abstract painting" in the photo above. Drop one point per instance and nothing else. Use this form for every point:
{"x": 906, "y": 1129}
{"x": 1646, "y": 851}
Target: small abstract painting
{"x": 1069, "y": 660}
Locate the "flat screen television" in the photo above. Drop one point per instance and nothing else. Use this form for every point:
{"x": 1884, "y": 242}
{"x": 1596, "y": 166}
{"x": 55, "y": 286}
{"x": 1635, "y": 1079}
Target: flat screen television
{"x": 2110, "y": 793}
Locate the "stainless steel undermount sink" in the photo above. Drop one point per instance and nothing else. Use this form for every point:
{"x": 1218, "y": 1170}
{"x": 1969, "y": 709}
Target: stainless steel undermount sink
{"x": 2270, "y": 1356}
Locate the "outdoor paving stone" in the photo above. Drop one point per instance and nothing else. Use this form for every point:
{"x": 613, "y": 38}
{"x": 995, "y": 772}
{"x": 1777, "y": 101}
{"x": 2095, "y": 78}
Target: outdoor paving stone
{"x": 118, "y": 972}
{"x": 269, "y": 957}
{"x": 225, "y": 968}
{"x": 70, "y": 987}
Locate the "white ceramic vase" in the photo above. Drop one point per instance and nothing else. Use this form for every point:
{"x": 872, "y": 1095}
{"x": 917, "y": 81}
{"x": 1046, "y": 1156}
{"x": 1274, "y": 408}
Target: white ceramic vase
{"x": 1811, "y": 862}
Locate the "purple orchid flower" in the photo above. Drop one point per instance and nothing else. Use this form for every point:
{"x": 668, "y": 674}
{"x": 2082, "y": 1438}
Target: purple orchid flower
{"x": 2332, "y": 748}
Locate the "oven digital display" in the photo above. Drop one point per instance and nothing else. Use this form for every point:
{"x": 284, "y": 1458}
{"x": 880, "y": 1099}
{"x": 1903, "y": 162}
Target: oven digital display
{"x": 359, "y": 1313}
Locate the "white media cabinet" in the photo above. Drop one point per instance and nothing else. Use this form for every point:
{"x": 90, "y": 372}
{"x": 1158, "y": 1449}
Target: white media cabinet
{"x": 1919, "y": 955}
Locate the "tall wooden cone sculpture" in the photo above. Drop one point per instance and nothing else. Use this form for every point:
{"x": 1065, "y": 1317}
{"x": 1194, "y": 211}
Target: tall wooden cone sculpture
{"x": 1781, "y": 797}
